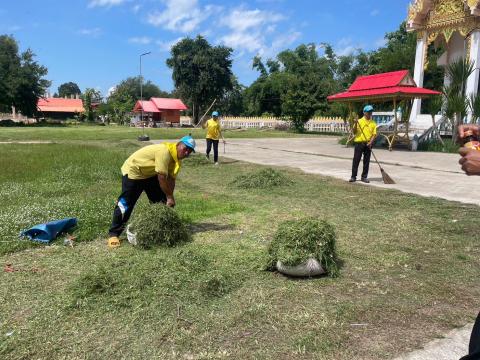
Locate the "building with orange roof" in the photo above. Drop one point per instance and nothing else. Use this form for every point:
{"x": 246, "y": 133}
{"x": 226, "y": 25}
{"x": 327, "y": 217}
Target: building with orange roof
{"x": 59, "y": 108}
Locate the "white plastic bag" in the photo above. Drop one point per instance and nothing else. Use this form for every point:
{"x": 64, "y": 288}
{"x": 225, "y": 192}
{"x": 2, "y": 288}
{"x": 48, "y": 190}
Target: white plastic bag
{"x": 131, "y": 236}
{"x": 311, "y": 267}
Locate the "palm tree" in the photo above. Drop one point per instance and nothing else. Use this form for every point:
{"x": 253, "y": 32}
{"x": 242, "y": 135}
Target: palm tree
{"x": 434, "y": 106}
{"x": 474, "y": 103}
{"x": 456, "y": 100}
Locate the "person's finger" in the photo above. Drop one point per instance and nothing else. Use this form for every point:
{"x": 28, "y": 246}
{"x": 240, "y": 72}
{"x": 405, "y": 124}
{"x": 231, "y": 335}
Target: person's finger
{"x": 461, "y": 131}
{"x": 463, "y": 151}
{"x": 465, "y": 167}
{"x": 462, "y": 160}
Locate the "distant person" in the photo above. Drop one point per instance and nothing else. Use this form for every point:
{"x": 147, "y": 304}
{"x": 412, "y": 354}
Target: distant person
{"x": 470, "y": 161}
{"x": 214, "y": 133}
{"x": 153, "y": 169}
{"x": 365, "y": 131}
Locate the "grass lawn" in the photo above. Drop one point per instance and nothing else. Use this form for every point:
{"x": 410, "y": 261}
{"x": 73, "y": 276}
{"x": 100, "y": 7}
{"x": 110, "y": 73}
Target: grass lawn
{"x": 92, "y": 132}
{"x": 410, "y": 266}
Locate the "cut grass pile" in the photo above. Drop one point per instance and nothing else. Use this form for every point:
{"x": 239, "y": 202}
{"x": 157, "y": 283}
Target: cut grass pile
{"x": 296, "y": 241}
{"x": 409, "y": 267}
{"x": 263, "y": 179}
{"x": 158, "y": 225}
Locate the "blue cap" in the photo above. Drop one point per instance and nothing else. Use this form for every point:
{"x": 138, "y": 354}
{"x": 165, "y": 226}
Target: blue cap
{"x": 189, "y": 141}
{"x": 368, "y": 108}
{"x": 215, "y": 113}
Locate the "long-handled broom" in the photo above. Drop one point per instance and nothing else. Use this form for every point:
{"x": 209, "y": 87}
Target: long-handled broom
{"x": 386, "y": 178}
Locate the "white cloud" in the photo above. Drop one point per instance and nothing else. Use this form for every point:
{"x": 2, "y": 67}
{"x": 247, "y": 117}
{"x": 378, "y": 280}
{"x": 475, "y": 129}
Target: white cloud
{"x": 94, "y": 32}
{"x": 381, "y": 42}
{"x": 105, "y": 3}
{"x": 142, "y": 40}
{"x": 374, "y": 12}
{"x": 181, "y": 15}
{"x": 249, "y": 28}
{"x": 136, "y": 8}
{"x": 14, "y": 28}
{"x": 345, "y": 47}
{"x": 167, "y": 45}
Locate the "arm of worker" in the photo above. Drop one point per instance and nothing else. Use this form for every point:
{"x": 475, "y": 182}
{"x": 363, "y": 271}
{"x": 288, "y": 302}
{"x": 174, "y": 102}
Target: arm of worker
{"x": 221, "y": 135}
{"x": 204, "y": 123}
{"x": 470, "y": 161}
{"x": 374, "y": 136}
{"x": 167, "y": 184}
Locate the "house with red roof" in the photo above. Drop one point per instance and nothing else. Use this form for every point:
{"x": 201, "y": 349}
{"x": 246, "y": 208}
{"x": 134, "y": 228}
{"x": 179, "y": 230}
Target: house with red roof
{"x": 59, "y": 108}
{"x": 160, "y": 109}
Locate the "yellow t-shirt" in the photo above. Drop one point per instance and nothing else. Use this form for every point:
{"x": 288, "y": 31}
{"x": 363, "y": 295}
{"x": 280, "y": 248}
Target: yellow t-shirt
{"x": 152, "y": 160}
{"x": 369, "y": 128}
{"x": 213, "y": 129}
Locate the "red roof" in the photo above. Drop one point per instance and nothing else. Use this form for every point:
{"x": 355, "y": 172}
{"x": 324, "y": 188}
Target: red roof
{"x": 392, "y": 85}
{"x": 147, "y": 105}
{"x": 60, "y": 105}
{"x": 168, "y": 104}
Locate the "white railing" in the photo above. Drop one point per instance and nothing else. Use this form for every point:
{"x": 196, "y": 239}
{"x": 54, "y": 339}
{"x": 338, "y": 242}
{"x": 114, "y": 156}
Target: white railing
{"x": 317, "y": 124}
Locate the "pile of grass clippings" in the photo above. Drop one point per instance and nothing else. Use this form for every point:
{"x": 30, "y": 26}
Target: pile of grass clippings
{"x": 263, "y": 179}
{"x": 298, "y": 240}
{"x": 158, "y": 225}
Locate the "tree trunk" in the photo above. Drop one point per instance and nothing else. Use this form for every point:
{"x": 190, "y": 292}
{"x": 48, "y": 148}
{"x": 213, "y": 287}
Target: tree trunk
{"x": 436, "y": 131}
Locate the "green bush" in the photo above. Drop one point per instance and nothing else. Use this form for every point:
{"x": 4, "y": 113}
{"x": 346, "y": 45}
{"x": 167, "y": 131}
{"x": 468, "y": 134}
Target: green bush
{"x": 263, "y": 179}
{"x": 436, "y": 146}
{"x": 298, "y": 240}
{"x": 158, "y": 225}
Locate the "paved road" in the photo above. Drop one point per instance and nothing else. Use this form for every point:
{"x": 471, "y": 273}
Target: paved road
{"x": 426, "y": 174}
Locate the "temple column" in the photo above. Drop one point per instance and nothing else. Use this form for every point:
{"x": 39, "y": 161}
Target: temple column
{"x": 419, "y": 71}
{"x": 472, "y": 81}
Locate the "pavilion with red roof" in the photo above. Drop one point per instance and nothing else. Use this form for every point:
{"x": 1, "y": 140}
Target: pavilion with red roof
{"x": 160, "y": 109}
{"x": 391, "y": 86}
{"x": 395, "y": 87}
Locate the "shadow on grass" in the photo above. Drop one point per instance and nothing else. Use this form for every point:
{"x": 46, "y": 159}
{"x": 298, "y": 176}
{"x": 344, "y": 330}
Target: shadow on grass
{"x": 204, "y": 227}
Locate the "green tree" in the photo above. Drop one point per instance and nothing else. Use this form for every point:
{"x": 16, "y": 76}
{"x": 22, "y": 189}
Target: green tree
{"x": 68, "y": 89}
{"x": 231, "y": 102}
{"x": 201, "y": 72}
{"x": 90, "y": 97}
{"x": 22, "y": 80}
{"x": 123, "y": 98}
{"x": 299, "y": 103}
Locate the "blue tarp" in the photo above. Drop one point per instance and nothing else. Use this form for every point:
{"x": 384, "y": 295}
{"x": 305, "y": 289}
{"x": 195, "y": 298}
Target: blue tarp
{"x": 49, "y": 231}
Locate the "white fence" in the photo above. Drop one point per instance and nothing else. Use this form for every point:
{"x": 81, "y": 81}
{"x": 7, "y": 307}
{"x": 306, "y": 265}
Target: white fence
{"x": 320, "y": 124}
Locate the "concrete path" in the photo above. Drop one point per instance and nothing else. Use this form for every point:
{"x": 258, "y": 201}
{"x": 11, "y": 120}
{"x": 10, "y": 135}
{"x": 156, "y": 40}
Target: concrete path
{"x": 425, "y": 174}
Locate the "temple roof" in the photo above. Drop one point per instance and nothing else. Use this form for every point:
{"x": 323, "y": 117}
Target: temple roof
{"x": 422, "y": 13}
{"x": 381, "y": 87}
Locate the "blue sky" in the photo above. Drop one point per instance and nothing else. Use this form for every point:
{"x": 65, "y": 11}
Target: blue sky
{"x": 97, "y": 43}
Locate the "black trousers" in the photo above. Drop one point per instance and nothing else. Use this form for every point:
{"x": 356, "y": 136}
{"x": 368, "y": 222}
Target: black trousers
{"x": 474, "y": 346}
{"x": 361, "y": 148}
{"x": 131, "y": 191}
{"x": 215, "y": 148}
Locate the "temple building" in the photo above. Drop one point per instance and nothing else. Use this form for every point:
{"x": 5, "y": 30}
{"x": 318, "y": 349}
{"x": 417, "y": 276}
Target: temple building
{"x": 453, "y": 24}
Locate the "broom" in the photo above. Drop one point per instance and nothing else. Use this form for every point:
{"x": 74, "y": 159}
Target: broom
{"x": 386, "y": 178}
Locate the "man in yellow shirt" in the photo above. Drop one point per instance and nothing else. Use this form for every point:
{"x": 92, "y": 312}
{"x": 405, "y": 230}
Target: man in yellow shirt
{"x": 365, "y": 131}
{"x": 214, "y": 132}
{"x": 152, "y": 169}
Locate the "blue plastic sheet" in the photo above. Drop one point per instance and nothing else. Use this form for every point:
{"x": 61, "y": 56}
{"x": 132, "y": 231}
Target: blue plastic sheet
{"x": 49, "y": 231}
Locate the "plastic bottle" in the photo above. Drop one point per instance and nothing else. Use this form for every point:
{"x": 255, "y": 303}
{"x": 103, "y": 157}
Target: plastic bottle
{"x": 471, "y": 141}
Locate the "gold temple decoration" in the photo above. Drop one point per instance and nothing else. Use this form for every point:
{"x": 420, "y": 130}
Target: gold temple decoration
{"x": 444, "y": 16}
